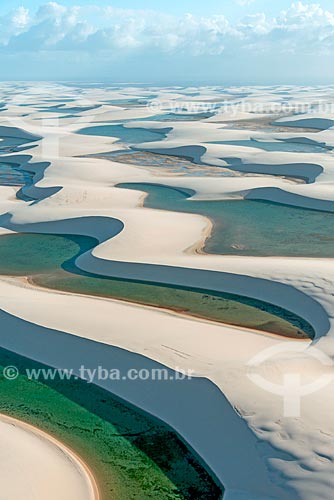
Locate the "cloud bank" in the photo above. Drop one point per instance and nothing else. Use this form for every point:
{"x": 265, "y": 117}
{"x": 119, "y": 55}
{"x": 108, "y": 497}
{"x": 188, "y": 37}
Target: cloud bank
{"x": 106, "y": 35}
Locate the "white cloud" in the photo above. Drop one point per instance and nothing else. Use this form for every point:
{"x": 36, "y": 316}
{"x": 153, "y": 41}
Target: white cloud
{"x": 303, "y": 27}
{"x": 20, "y": 18}
{"x": 13, "y": 23}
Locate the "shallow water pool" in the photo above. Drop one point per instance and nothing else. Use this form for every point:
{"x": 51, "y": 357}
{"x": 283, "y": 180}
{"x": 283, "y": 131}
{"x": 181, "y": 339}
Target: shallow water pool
{"x": 49, "y": 261}
{"x": 247, "y": 227}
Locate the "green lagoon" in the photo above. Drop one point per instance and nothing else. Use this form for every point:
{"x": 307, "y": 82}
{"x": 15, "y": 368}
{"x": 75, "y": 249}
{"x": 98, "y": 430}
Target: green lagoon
{"x": 247, "y": 227}
{"x": 132, "y": 455}
{"x": 49, "y": 261}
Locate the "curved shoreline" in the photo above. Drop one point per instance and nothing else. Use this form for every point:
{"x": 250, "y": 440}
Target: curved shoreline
{"x": 252, "y": 314}
{"x": 112, "y": 436}
{"x": 221, "y": 217}
{"x": 198, "y": 247}
{"x": 165, "y": 309}
{"x": 80, "y": 465}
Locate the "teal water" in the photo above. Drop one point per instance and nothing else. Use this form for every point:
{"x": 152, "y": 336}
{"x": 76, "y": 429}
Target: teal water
{"x": 28, "y": 104}
{"x": 128, "y": 101}
{"x": 11, "y": 142}
{"x": 133, "y": 455}
{"x": 60, "y": 100}
{"x": 315, "y": 123}
{"x": 62, "y": 109}
{"x": 247, "y": 227}
{"x": 179, "y": 117}
{"x": 126, "y": 135}
{"x": 15, "y": 144}
{"x": 285, "y": 146}
{"x": 13, "y": 175}
{"x": 49, "y": 261}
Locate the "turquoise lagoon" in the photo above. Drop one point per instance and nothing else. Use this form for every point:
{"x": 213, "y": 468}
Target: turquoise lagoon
{"x": 12, "y": 175}
{"x": 179, "y": 117}
{"x": 247, "y": 227}
{"x": 288, "y": 146}
{"x": 126, "y": 135}
{"x": 49, "y": 261}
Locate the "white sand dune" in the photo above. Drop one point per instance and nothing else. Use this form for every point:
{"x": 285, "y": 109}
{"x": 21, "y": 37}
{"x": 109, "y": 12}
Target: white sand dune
{"x": 35, "y": 466}
{"x": 237, "y": 427}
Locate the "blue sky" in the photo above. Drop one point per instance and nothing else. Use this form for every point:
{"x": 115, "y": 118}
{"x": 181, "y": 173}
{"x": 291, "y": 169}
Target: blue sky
{"x": 232, "y": 8}
{"x": 225, "y": 41}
